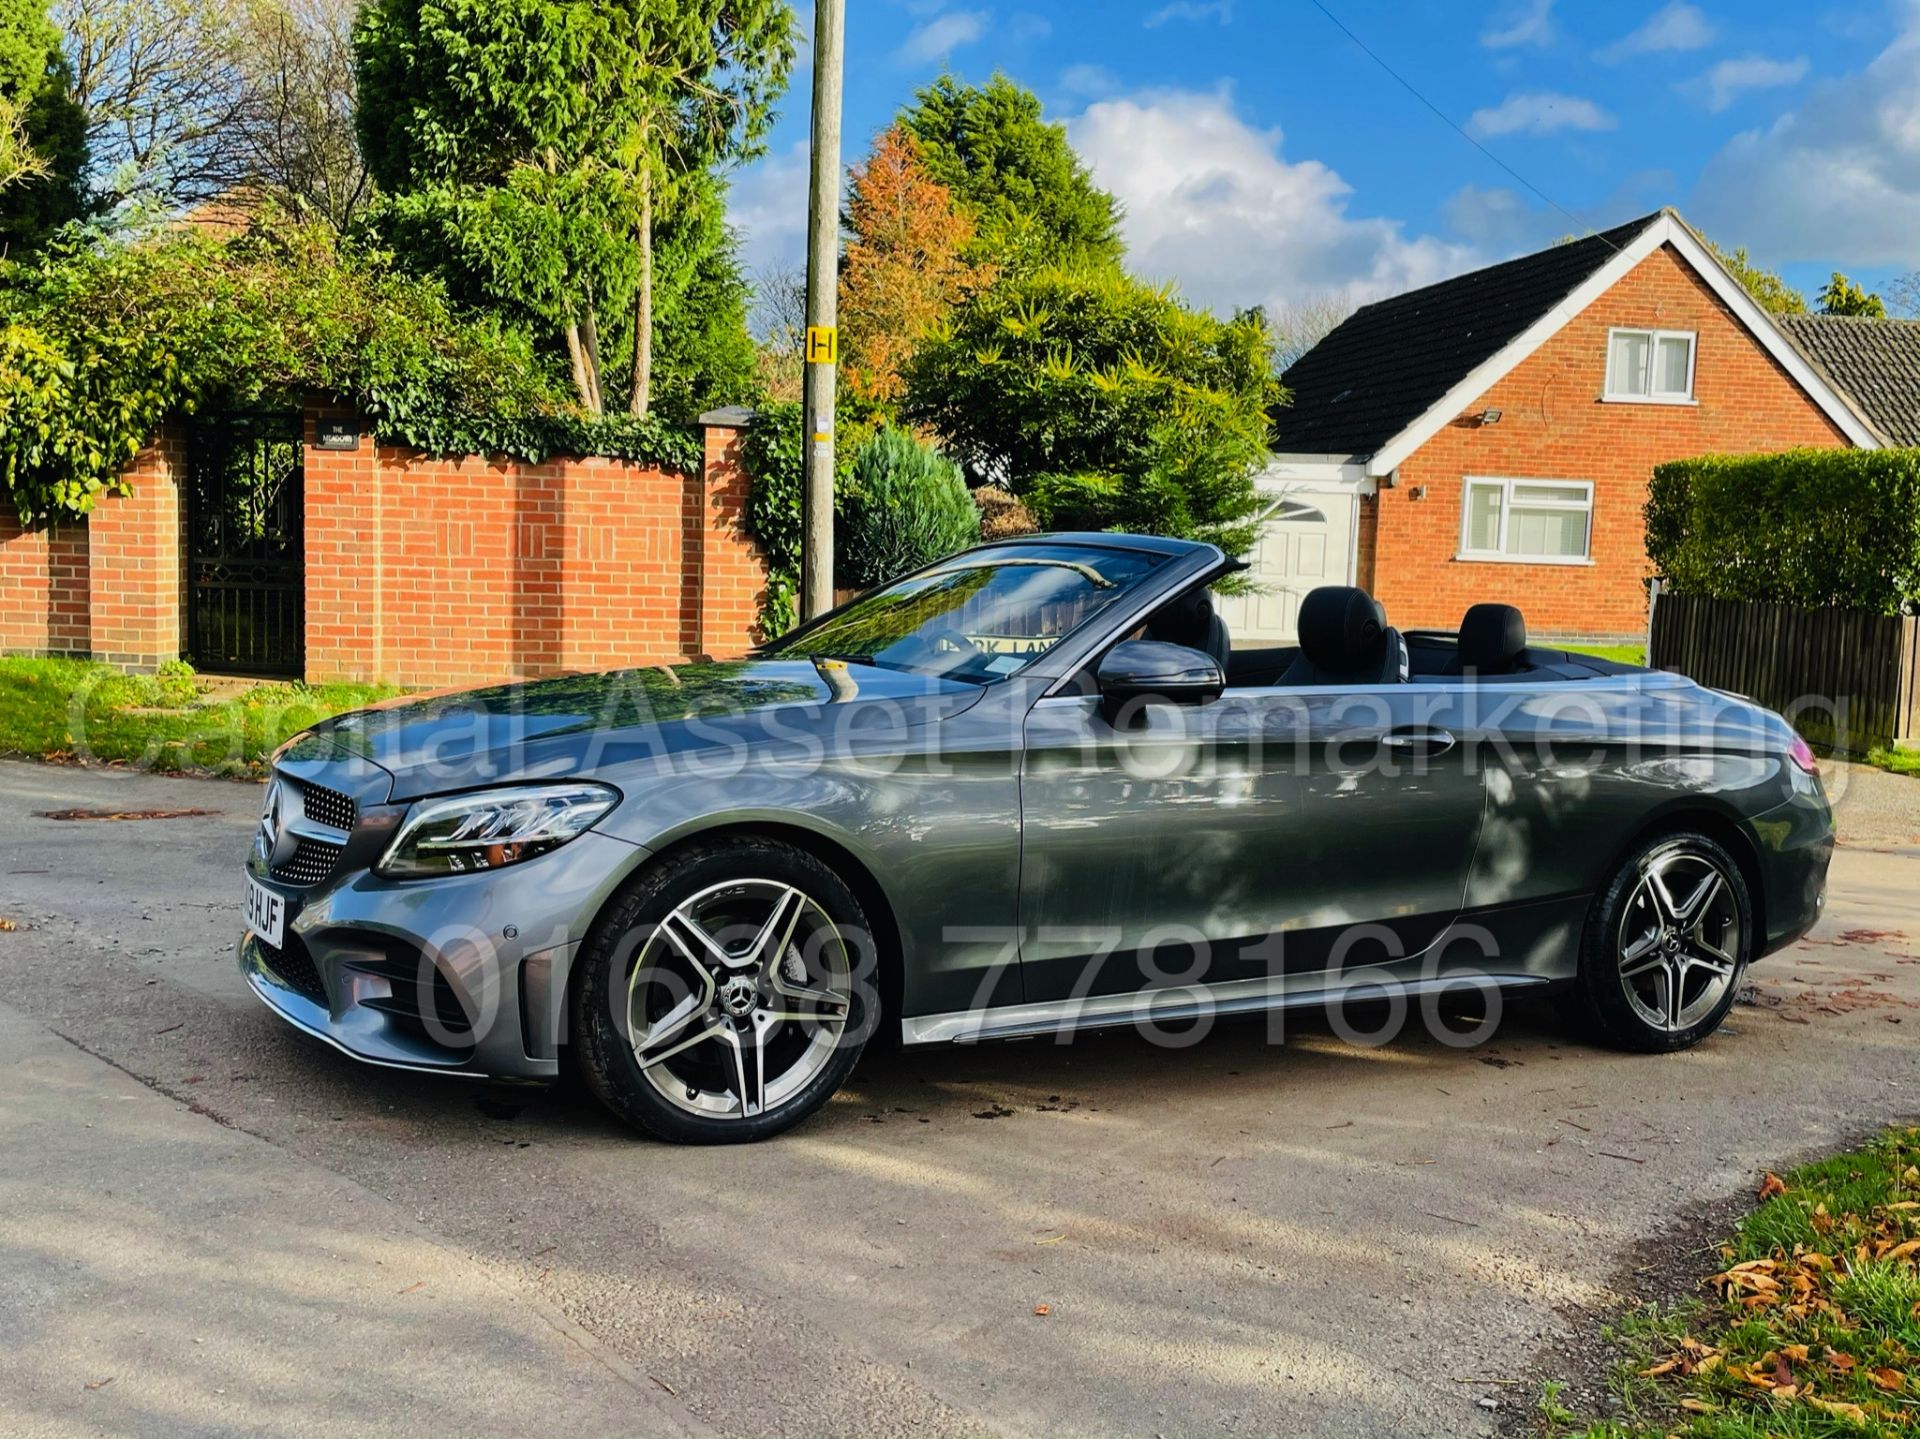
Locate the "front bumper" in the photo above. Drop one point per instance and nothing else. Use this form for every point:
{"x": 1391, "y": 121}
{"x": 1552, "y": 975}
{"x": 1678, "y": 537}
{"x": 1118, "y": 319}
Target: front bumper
{"x": 465, "y": 974}
{"x": 1795, "y": 844}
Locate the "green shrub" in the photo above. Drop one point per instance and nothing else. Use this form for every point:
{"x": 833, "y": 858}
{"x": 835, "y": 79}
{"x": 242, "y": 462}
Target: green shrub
{"x": 103, "y": 337}
{"x": 906, "y": 506}
{"x": 175, "y": 682}
{"x": 1103, "y": 403}
{"x": 770, "y": 454}
{"x": 1811, "y": 528}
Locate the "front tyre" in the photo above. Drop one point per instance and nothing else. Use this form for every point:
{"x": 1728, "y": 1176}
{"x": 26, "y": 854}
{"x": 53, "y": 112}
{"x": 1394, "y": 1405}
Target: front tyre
{"x": 726, "y": 993}
{"x": 1665, "y": 945}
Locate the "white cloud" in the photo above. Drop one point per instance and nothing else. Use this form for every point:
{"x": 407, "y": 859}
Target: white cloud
{"x": 1212, "y": 203}
{"x": 1088, "y": 80}
{"x": 1837, "y": 179}
{"x": 1677, "y": 26}
{"x": 767, "y": 206}
{"x": 1727, "y": 81}
{"x": 1539, "y": 112}
{"x": 1530, "y": 25}
{"x": 1496, "y": 220}
{"x": 941, "y": 36}
{"x": 1026, "y": 28}
{"x": 1221, "y": 10}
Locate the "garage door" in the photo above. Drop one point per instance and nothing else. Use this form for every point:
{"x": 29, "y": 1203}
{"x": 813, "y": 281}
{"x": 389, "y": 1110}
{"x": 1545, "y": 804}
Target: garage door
{"x": 1304, "y": 543}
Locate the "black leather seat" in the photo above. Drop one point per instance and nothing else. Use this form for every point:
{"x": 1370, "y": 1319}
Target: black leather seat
{"x": 1192, "y": 621}
{"x": 1345, "y": 640}
{"x": 1492, "y": 641}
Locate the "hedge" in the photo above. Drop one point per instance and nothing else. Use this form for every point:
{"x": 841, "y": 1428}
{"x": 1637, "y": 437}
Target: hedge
{"x": 1811, "y": 528}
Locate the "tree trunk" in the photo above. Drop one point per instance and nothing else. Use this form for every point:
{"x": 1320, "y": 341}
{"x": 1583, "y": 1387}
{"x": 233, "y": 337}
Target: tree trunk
{"x": 590, "y": 349}
{"x": 643, "y": 304}
{"x": 584, "y": 383}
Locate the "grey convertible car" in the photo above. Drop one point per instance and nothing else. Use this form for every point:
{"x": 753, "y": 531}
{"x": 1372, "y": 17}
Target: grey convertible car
{"x": 1027, "y": 790}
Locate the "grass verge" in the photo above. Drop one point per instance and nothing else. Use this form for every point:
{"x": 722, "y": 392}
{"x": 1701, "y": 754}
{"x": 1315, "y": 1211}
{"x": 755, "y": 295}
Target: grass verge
{"x": 1623, "y": 654}
{"x": 78, "y": 711}
{"x": 1814, "y": 1330}
{"x": 1899, "y": 761}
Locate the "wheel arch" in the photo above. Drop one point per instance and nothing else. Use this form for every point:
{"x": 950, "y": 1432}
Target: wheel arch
{"x": 1725, "y": 828}
{"x": 887, "y": 934}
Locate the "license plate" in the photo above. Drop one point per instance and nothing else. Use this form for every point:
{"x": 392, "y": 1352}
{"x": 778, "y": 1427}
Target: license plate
{"x": 266, "y": 913}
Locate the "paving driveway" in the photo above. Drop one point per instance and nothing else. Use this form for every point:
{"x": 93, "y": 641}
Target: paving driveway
{"x": 1234, "y": 1238}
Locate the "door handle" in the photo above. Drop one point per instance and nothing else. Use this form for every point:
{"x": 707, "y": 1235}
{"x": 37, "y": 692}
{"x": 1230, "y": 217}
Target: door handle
{"x": 1428, "y": 742}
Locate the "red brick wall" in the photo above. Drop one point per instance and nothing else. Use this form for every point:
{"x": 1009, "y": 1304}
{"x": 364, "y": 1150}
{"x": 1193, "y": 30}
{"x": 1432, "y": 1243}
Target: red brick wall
{"x": 420, "y": 570}
{"x": 136, "y": 561}
{"x": 732, "y": 575}
{"x": 432, "y": 571}
{"x": 43, "y": 588}
{"x": 1554, "y": 426}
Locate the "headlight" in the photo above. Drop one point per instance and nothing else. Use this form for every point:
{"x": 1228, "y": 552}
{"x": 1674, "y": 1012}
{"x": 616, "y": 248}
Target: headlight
{"x": 465, "y": 833}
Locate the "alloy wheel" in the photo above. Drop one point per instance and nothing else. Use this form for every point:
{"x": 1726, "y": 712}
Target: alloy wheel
{"x": 1679, "y": 940}
{"x": 739, "y": 998}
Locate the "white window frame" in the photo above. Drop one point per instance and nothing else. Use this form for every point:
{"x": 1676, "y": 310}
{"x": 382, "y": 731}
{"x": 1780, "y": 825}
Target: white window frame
{"x": 1651, "y": 396}
{"x": 1580, "y": 498}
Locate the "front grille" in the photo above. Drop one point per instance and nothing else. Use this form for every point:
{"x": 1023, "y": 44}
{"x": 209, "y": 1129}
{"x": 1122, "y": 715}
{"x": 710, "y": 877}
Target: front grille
{"x": 295, "y": 968}
{"x": 313, "y": 861}
{"x": 328, "y": 806}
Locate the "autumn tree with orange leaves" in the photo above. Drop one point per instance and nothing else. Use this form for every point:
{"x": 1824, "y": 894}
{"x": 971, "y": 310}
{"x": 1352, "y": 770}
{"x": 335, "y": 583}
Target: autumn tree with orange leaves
{"x": 903, "y": 271}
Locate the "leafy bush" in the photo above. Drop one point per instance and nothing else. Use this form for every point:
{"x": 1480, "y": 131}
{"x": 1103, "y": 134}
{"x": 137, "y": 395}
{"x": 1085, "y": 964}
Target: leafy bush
{"x": 1805, "y": 527}
{"x": 1103, "y": 403}
{"x": 102, "y": 338}
{"x": 1002, "y": 516}
{"x": 770, "y": 453}
{"x": 906, "y": 506}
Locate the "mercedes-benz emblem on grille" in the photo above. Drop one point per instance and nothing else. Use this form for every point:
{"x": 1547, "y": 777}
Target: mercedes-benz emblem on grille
{"x": 276, "y": 841}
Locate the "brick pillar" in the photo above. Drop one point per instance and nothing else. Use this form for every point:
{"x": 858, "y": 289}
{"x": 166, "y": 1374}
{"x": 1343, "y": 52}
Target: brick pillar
{"x": 136, "y": 551}
{"x": 731, "y": 574}
{"x": 343, "y": 542}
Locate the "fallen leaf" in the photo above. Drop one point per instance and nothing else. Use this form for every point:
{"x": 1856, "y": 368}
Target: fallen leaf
{"x": 7, "y": 925}
{"x": 1697, "y": 1406}
{"x": 1838, "y": 1409}
{"x": 1773, "y": 1184}
{"x": 1043, "y": 1310}
{"x": 1889, "y": 1379}
{"x": 100, "y": 1383}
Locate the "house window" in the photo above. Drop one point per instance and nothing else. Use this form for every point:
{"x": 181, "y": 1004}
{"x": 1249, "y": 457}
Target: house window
{"x": 1652, "y": 366}
{"x": 1532, "y": 521}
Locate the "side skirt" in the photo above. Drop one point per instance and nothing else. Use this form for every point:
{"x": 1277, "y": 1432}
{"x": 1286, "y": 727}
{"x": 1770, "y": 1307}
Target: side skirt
{"x": 1174, "y": 1004}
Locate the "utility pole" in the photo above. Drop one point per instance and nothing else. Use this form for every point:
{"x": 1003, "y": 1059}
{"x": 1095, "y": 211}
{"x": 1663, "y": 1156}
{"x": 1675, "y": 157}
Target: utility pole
{"x": 823, "y": 305}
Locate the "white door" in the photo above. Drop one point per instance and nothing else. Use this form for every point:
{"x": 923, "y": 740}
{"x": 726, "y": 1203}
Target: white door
{"x": 1306, "y": 541}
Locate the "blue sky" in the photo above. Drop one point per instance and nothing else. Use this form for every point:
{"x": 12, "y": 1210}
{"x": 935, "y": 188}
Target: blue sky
{"x": 1262, "y": 156}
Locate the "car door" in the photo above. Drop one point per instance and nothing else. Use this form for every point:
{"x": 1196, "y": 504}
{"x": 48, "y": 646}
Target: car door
{"x": 1271, "y": 834}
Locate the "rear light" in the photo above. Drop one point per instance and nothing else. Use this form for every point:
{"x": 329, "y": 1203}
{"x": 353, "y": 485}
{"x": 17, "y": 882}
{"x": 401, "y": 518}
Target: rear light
{"x": 1801, "y": 753}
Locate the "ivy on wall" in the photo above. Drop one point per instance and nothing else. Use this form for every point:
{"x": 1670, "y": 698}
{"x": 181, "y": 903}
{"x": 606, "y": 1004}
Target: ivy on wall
{"x": 102, "y": 338}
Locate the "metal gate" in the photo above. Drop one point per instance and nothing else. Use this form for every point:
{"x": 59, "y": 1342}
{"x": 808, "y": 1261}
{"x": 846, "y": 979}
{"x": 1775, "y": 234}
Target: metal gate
{"x": 246, "y": 609}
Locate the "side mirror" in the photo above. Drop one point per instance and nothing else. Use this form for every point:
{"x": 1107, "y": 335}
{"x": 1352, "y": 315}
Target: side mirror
{"x": 1136, "y": 670}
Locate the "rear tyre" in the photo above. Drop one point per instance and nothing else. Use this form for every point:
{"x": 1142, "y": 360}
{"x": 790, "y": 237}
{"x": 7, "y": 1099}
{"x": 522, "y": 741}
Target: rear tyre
{"x": 1665, "y": 945}
{"x": 726, "y": 993}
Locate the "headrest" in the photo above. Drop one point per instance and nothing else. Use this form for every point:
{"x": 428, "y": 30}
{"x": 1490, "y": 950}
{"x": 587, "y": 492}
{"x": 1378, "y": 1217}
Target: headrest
{"x": 1340, "y": 627}
{"x": 1186, "y": 621}
{"x": 1492, "y": 637}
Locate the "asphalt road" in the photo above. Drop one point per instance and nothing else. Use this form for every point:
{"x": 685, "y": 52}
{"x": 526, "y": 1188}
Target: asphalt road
{"x": 1233, "y": 1238}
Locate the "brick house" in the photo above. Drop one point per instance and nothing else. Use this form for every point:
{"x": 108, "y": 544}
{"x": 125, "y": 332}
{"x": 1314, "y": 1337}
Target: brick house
{"x": 1491, "y": 437}
{"x": 296, "y": 545}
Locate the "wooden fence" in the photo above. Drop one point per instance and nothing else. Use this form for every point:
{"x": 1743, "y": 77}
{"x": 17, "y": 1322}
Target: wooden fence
{"x": 1848, "y": 679}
